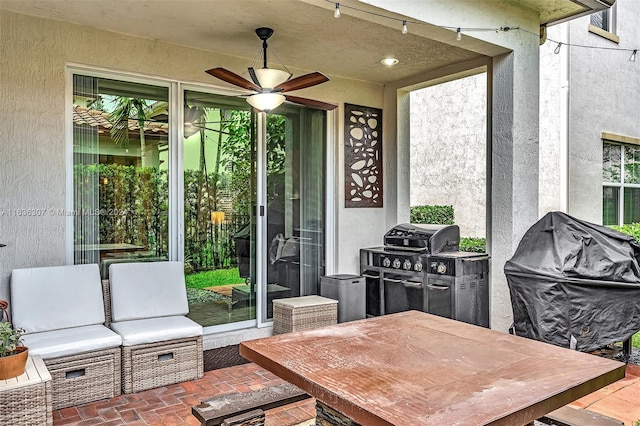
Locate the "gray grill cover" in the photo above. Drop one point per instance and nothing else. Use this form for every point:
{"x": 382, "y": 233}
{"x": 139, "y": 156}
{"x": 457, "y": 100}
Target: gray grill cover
{"x": 571, "y": 278}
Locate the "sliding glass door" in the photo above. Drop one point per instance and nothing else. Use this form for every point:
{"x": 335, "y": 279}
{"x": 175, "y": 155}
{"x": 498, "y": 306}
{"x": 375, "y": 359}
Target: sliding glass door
{"x": 219, "y": 157}
{"x": 253, "y": 206}
{"x": 295, "y": 199}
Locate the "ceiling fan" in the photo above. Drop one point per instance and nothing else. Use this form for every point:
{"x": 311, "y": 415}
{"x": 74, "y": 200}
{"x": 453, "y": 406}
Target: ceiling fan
{"x": 270, "y": 84}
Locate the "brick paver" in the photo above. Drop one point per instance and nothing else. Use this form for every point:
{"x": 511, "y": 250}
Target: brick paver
{"x": 171, "y": 405}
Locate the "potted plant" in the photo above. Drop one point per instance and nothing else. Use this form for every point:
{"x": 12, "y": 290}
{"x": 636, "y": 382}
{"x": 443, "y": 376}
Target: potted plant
{"x": 13, "y": 356}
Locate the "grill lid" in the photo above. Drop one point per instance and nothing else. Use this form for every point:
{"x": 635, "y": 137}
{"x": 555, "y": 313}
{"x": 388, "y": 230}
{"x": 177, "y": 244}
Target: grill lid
{"x": 423, "y": 237}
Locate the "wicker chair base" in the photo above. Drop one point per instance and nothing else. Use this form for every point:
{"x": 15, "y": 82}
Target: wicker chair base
{"x": 106, "y": 298}
{"x": 158, "y": 364}
{"x": 86, "y": 377}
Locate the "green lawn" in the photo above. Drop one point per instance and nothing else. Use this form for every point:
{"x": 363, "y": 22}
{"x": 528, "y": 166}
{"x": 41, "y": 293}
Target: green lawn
{"x": 213, "y": 278}
{"x": 635, "y": 340}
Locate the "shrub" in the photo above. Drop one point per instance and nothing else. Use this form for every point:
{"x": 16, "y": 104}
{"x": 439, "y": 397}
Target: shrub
{"x": 632, "y": 229}
{"x": 473, "y": 244}
{"x": 439, "y": 215}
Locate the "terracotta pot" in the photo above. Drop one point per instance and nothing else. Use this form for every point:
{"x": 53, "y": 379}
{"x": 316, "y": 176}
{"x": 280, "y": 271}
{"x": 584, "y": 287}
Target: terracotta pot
{"x": 13, "y": 365}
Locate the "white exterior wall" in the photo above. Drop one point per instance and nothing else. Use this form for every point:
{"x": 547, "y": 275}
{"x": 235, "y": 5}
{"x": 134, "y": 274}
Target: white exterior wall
{"x": 554, "y": 102}
{"x": 448, "y": 150}
{"x": 585, "y": 92}
{"x": 604, "y": 97}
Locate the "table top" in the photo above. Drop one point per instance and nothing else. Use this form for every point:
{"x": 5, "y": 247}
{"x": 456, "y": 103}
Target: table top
{"x": 413, "y": 368}
{"x": 35, "y": 373}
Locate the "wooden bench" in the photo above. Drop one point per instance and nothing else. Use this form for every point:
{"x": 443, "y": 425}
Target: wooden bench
{"x": 568, "y": 416}
{"x": 246, "y": 408}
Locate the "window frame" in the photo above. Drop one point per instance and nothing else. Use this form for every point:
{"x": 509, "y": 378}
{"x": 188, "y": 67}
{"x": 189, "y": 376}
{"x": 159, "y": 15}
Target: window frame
{"x": 621, "y": 185}
{"x": 609, "y": 21}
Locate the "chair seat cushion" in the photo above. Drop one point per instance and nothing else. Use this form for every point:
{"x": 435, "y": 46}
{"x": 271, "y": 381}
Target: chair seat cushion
{"x": 71, "y": 341}
{"x": 151, "y": 330}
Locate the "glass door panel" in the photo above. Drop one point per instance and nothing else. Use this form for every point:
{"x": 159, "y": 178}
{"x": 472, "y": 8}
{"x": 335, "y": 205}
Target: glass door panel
{"x": 219, "y": 203}
{"x": 295, "y": 150}
{"x": 120, "y": 172}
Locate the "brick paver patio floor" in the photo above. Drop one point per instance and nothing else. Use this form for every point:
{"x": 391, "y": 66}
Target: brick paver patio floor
{"x": 171, "y": 405}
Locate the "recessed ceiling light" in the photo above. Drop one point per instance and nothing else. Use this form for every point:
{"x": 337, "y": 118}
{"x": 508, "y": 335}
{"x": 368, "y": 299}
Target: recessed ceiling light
{"x": 389, "y": 61}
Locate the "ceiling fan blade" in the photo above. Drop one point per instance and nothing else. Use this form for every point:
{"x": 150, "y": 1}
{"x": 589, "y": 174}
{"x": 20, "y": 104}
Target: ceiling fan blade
{"x": 311, "y": 103}
{"x": 302, "y": 82}
{"x": 233, "y": 78}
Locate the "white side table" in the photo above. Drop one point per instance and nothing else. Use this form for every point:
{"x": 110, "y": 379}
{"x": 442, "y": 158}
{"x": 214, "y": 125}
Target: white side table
{"x": 26, "y": 400}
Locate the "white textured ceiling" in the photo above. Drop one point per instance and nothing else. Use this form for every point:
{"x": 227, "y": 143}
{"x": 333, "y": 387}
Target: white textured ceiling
{"x": 307, "y": 36}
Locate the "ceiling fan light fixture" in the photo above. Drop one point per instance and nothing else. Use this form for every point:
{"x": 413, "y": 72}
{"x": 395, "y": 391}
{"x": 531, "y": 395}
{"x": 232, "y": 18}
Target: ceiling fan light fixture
{"x": 266, "y": 101}
{"x": 268, "y": 78}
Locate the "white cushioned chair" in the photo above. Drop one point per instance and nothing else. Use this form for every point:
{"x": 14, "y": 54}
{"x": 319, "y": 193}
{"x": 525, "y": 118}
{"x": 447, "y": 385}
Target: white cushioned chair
{"x": 62, "y": 312}
{"x": 160, "y": 345}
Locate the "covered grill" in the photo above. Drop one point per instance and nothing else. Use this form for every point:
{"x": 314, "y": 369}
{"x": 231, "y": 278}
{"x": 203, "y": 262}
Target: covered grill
{"x": 420, "y": 267}
{"x": 575, "y": 284}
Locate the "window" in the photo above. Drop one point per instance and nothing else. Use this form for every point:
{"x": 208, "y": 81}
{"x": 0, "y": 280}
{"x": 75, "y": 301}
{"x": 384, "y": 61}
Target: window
{"x": 602, "y": 20}
{"x": 621, "y": 183}
{"x": 120, "y": 171}
{"x": 603, "y": 24}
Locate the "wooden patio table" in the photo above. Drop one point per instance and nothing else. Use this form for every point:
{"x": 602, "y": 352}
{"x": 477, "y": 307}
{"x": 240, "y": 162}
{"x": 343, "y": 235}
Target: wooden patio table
{"x": 413, "y": 368}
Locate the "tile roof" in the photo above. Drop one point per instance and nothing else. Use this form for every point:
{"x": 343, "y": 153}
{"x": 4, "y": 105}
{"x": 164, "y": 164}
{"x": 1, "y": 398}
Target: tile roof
{"x": 100, "y": 119}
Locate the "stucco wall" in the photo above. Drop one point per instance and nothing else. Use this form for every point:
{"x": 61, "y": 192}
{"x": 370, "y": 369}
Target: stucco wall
{"x": 585, "y": 92}
{"x": 34, "y": 54}
{"x": 604, "y": 97}
{"x": 448, "y": 150}
{"x": 554, "y": 100}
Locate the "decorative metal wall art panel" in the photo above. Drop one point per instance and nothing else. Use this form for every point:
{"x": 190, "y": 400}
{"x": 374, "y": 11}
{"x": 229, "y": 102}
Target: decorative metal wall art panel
{"x": 362, "y": 156}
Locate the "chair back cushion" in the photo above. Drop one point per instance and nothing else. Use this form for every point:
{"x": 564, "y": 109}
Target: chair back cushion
{"x": 147, "y": 290}
{"x": 53, "y": 298}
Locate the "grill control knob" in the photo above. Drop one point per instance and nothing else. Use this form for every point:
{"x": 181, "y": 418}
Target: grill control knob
{"x": 442, "y": 268}
{"x": 417, "y": 267}
{"x": 406, "y": 265}
{"x": 396, "y": 263}
{"x": 386, "y": 262}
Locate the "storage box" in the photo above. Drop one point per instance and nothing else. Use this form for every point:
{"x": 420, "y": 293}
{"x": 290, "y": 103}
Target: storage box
{"x": 303, "y": 313}
{"x": 158, "y": 364}
{"x": 86, "y": 377}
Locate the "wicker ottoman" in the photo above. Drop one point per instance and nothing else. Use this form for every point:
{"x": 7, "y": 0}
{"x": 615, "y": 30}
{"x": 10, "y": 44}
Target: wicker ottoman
{"x": 303, "y": 313}
{"x": 26, "y": 400}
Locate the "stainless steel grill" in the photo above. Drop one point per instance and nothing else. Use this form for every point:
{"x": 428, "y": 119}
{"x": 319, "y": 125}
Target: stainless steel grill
{"x": 420, "y": 267}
